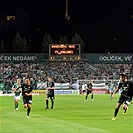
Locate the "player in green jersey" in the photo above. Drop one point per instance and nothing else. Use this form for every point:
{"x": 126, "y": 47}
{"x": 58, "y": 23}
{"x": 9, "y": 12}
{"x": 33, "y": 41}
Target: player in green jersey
{"x": 17, "y": 92}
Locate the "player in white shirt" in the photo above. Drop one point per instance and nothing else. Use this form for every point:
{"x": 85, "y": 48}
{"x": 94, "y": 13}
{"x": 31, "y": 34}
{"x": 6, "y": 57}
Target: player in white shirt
{"x": 83, "y": 88}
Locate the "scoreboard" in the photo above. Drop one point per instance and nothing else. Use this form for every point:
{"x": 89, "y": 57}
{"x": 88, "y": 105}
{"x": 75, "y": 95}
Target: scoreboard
{"x": 64, "y": 51}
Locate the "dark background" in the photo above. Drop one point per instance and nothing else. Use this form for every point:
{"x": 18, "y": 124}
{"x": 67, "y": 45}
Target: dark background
{"x": 103, "y": 26}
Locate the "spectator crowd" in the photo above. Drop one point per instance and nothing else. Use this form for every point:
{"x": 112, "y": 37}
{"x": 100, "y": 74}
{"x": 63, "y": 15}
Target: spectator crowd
{"x": 61, "y": 72}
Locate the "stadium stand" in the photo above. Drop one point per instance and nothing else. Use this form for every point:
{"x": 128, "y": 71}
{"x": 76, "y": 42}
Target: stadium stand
{"x": 61, "y": 72}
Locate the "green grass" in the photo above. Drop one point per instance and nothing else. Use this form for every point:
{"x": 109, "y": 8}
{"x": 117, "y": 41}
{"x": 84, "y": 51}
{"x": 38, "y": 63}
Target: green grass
{"x": 71, "y": 114}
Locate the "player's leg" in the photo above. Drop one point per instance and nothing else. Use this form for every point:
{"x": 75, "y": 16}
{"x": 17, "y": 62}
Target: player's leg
{"x": 28, "y": 110}
{"x": 29, "y": 102}
{"x": 24, "y": 102}
{"x": 15, "y": 104}
{"x": 120, "y": 102}
{"x": 47, "y": 97}
{"x": 83, "y": 92}
{"x": 86, "y": 96}
{"x": 125, "y": 106}
{"x": 116, "y": 111}
{"x": 25, "y": 105}
{"x": 91, "y": 95}
{"x": 111, "y": 92}
{"x": 52, "y": 102}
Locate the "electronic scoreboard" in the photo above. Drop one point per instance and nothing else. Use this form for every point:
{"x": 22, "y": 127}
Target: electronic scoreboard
{"x": 64, "y": 51}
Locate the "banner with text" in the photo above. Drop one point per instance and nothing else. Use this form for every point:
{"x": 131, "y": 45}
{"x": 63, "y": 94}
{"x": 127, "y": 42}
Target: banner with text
{"x": 91, "y": 58}
{"x": 108, "y": 58}
{"x": 24, "y": 57}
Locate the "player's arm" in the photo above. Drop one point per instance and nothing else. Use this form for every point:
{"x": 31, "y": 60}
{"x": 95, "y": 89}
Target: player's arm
{"x": 30, "y": 93}
{"x": 88, "y": 88}
{"x": 15, "y": 89}
{"x": 47, "y": 88}
{"x": 52, "y": 88}
{"x": 115, "y": 91}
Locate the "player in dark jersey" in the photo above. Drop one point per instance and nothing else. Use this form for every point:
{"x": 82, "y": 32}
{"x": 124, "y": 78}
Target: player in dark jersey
{"x": 50, "y": 93}
{"x": 27, "y": 95}
{"x": 89, "y": 90}
{"x": 126, "y": 94}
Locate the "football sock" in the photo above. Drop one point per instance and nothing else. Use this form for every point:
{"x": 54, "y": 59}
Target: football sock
{"x": 52, "y": 103}
{"x": 116, "y": 111}
{"x": 91, "y": 96}
{"x": 47, "y": 103}
{"x": 86, "y": 98}
{"x": 28, "y": 111}
{"x": 16, "y": 105}
{"x": 125, "y": 110}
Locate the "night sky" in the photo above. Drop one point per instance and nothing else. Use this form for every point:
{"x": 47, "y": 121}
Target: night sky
{"x": 103, "y": 26}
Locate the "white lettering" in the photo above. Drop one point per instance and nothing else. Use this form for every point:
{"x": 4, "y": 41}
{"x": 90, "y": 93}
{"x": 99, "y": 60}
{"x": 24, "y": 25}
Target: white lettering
{"x": 110, "y": 58}
{"x": 128, "y": 58}
{"x": 1, "y": 57}
{"x": 24, "y": 58}
{"x": 7, "y": 58}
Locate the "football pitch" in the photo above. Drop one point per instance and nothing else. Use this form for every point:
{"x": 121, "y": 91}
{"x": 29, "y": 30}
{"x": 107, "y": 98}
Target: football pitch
{"x": 71, "y": 114}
